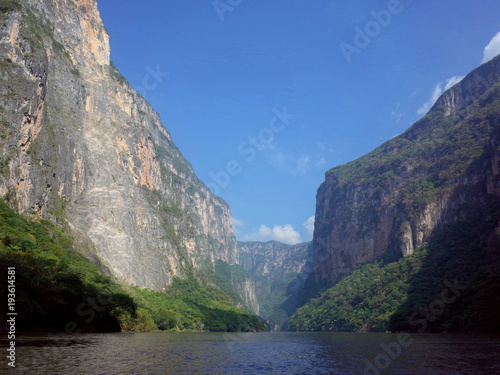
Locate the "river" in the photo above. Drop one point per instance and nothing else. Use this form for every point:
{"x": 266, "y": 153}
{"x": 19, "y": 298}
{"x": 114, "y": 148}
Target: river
{"x": 256, "y": 353}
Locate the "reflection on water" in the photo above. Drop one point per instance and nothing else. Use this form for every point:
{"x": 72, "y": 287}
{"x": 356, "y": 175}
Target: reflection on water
{"x": 257, "y": 353}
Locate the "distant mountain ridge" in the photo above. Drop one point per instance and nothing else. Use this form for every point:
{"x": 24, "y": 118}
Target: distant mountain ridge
{"x": 274, "y": 267}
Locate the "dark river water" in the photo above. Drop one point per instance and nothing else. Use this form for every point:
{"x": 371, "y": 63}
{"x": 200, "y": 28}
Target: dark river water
{"x": 256, "y": 353}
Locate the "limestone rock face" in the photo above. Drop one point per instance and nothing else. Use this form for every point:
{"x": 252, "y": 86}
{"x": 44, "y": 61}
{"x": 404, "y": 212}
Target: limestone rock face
{"x": 445, "y": 168}
{"x": 275, "y": 268}
{"x": 79, "y": 146}
{"x": 272, "y": 259}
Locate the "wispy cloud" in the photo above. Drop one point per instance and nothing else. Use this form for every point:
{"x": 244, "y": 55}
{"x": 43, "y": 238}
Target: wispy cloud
{"x": 309, "y": 226}
{"x": 237, "y": 224}
{"x": 397, "y": 113}
{"x": 302, "y": 164}
{"x": 450, "y": 82}
{"x": 429, "y": 103}
{"x": 436, "y": 93}
{"x": 492, "y": 49}
{"x": 286, "y": 234}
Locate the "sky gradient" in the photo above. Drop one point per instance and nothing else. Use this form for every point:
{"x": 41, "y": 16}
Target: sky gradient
{"x": 263, "y": 97}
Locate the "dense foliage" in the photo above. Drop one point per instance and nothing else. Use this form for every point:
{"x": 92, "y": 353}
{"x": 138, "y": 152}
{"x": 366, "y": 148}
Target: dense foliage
{"x": 8, "y": 5}
{"x": 450, "y": 284}
{"x": 227, "y": 276}
{"x": 458, "y": 285}
{"x": 188, "y": 305}
{"x": 363, "y": 301}
{"x": 426, "y": 161}
{"x": 56, "y": 288}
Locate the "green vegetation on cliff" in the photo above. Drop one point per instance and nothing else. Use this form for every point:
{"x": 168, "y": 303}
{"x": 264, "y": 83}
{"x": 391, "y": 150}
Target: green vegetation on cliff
{"x": 363, "y": 301}
{"x": 56, "y": 288}
{"x": 187, "y": 305}
{"x": 436, "y": 189}
{"x": 450, "y": 284}
{"x": 8, "y": 5}
{"x": 458, "y": 286}
{"x": 60, "y": 291}
{"x": 428, "y": 159}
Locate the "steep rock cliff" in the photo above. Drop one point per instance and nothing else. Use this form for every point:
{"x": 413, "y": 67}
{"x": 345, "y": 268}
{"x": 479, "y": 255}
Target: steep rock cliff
{"x": 443, "y": 169}
{"x": 274, "y": 267}
{"x": 80, "y": 147}
{"x": 272, "y": 259}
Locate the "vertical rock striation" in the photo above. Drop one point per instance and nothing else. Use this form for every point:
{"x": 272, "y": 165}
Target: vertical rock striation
{"x": 79, "y": 146}
{"x": 275, "y": 268}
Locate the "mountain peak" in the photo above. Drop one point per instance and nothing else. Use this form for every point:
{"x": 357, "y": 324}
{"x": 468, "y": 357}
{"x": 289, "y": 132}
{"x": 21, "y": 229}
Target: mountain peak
{"x": 393, "y": 198}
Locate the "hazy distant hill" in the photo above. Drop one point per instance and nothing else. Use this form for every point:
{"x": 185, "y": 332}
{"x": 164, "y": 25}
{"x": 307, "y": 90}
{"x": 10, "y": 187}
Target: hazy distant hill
{"x": 275, "y": 267}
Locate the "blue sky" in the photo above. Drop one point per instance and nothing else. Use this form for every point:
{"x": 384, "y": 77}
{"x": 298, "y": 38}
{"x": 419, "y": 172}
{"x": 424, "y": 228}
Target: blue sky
{"x": 263, "y": 97}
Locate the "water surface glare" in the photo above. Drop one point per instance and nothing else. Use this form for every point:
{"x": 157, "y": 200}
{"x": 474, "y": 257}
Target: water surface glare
{"x": 256, "y": 353}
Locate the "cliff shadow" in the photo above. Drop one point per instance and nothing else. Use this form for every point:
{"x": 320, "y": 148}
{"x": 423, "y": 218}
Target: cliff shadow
{"x": 457, "y": 287}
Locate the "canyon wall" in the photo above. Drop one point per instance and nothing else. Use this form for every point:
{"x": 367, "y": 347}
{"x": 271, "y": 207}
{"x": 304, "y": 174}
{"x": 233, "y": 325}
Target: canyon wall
{"x": 444, "y": 169}
{"x": 79, "y": 146}
{"x": 276, "y": 269}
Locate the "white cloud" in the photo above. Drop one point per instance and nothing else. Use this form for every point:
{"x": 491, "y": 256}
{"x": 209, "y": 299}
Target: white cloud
{"x": 285, "y": 234}
{"x": 309, "y": 225}
{"x": 237, "y": 223}
{"x": 320, "y": 163}
{"x": 429, "y": 103}
{"x": 397, "y": 114}
{"x": 492, "y": 49}
{"x": 438, "y": 90}
{"x": 450, "y": 82}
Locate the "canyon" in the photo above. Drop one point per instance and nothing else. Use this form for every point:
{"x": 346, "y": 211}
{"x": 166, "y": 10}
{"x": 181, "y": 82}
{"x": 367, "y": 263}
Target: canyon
{"x": 81, "y": 149}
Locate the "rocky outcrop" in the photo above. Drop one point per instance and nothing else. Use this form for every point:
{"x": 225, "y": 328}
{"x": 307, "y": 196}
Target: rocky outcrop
{"x": 275, "y": 268}
{"x": 80, "y": 147}
{"x": 443, "y": 169}
{"x": 272, "y": 259}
